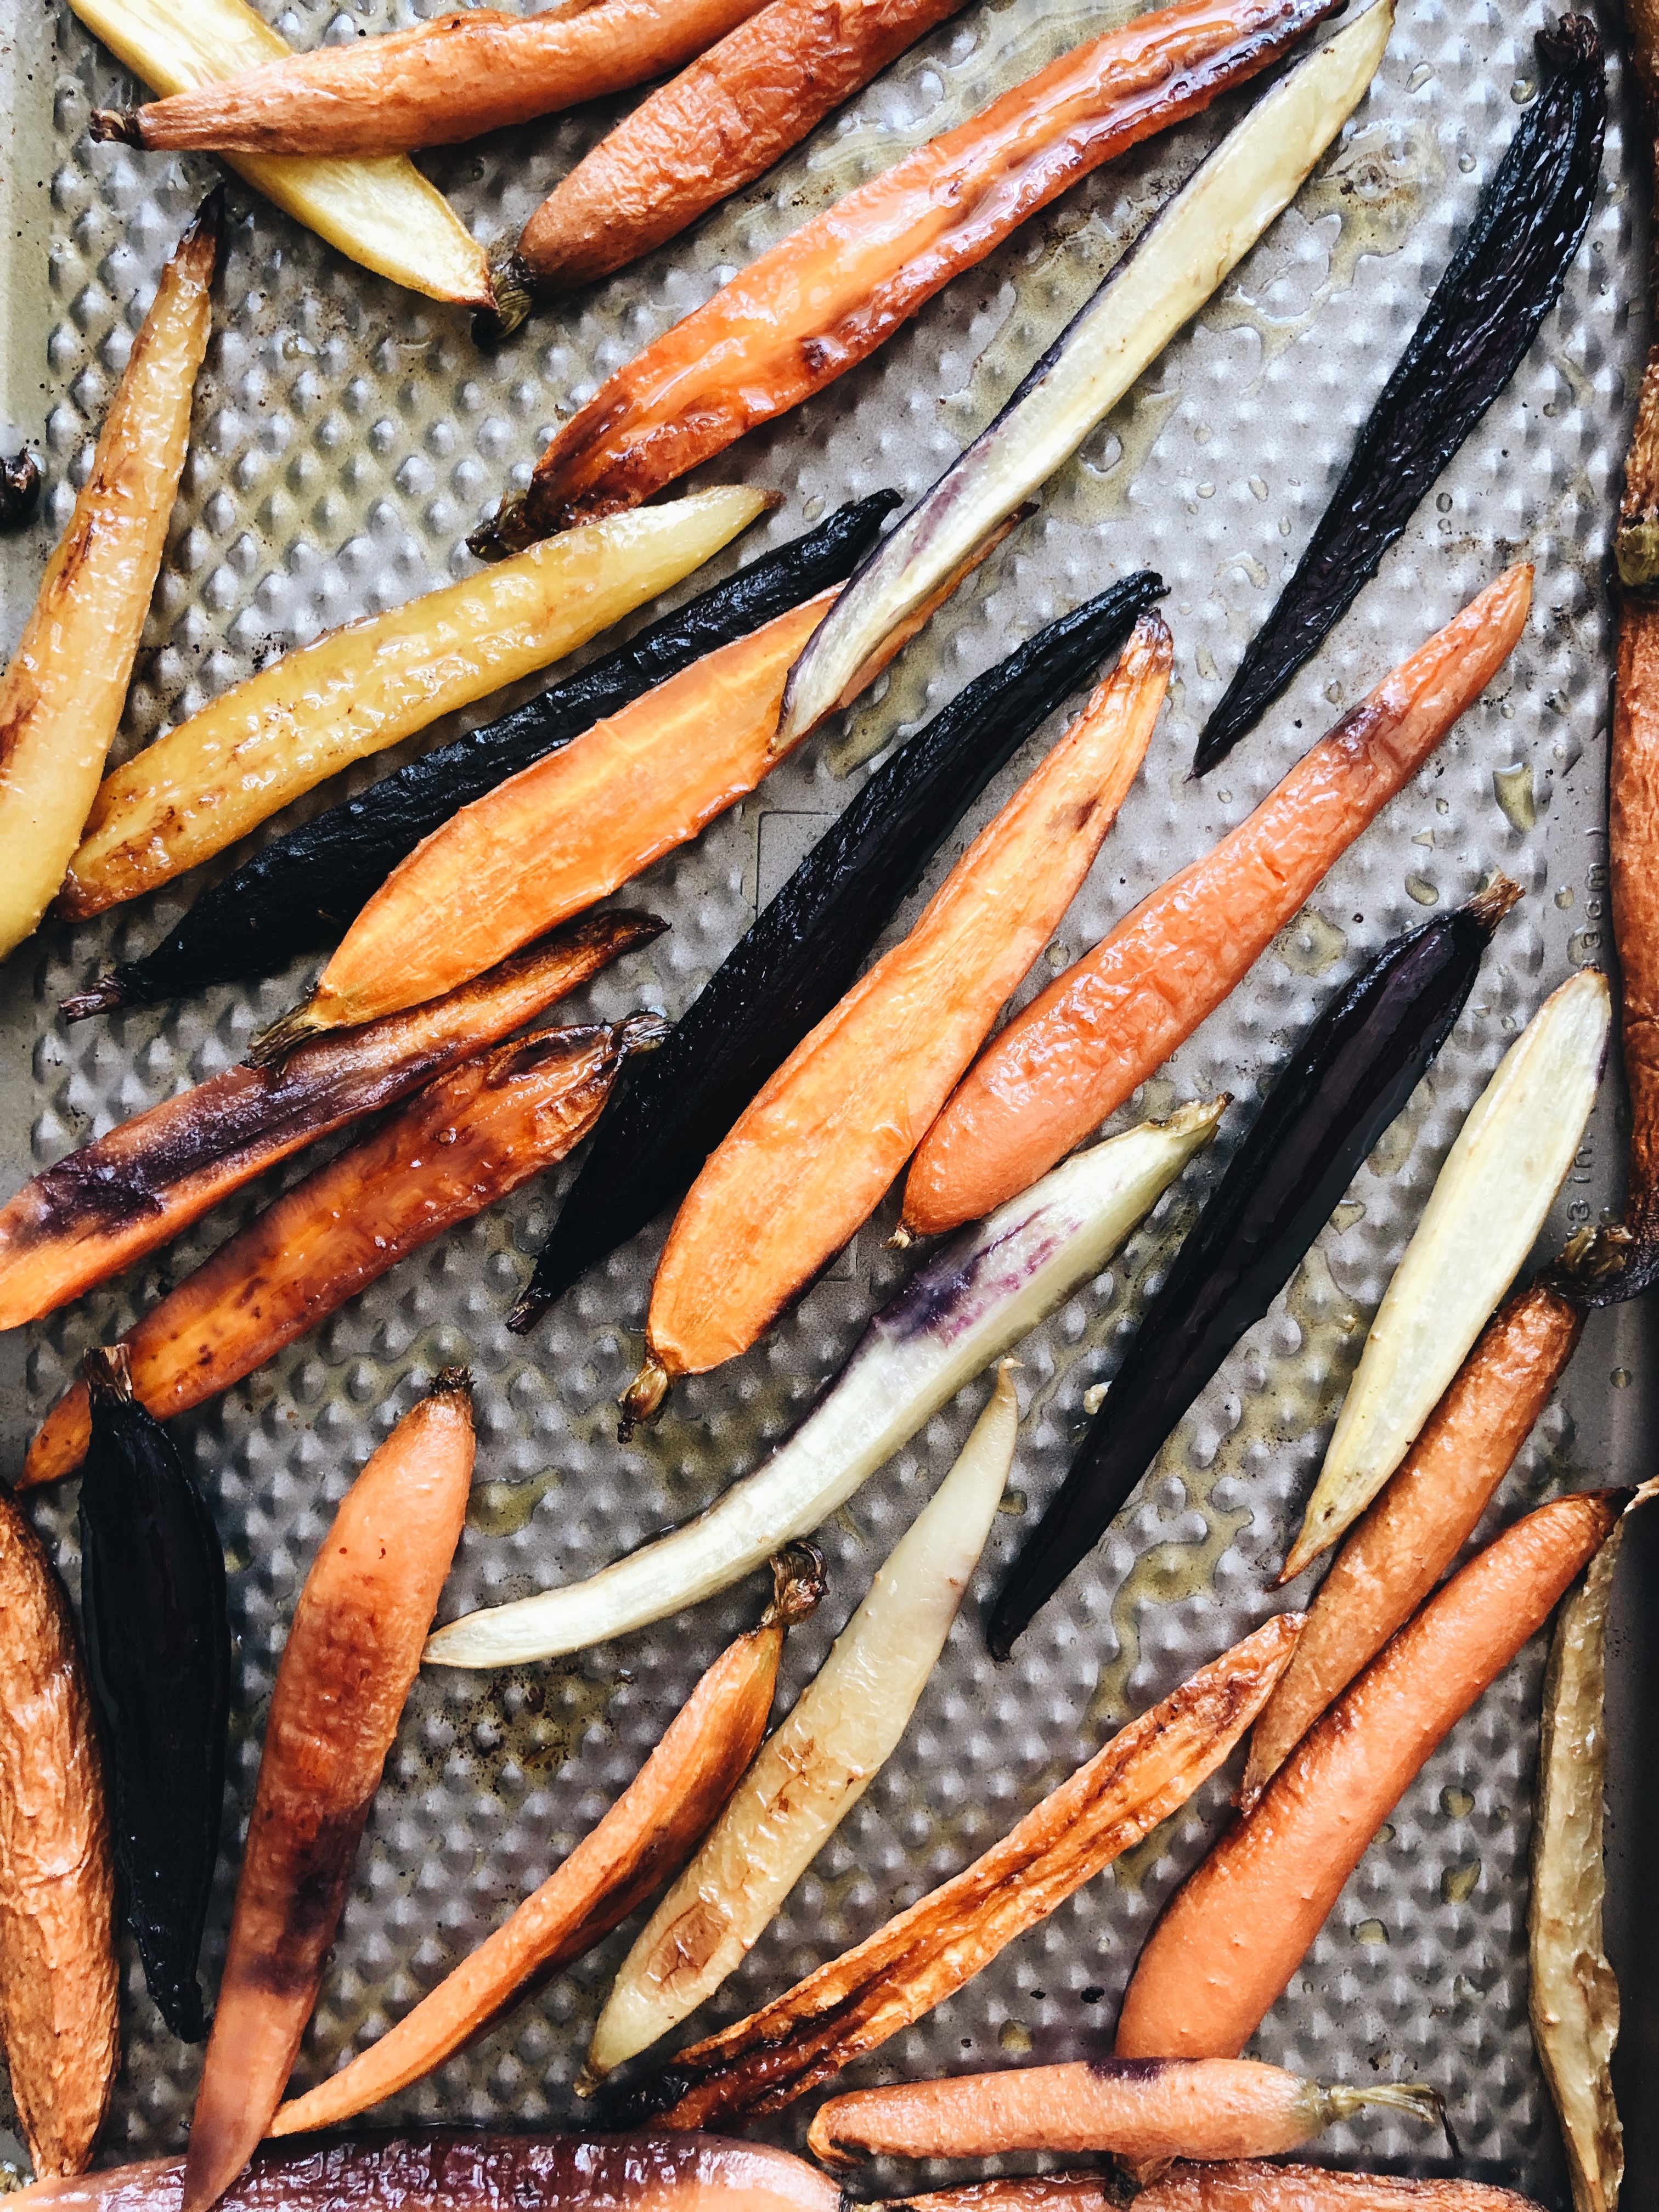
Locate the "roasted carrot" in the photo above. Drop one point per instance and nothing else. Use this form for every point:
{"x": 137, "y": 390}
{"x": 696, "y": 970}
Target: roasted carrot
{"x": 827, "y": 296}
{"x": 809, "y": 1160}
{"x": 1237, "y": 2186}
{"x": 1247, "y": 2187}
{"x": 59, "y": 1986}
{"x": 1416, "y": 1528}
{"x": 104, "y": 1206}
{"x": 922, "y": 1955}
{"x": 432, "y": 85}
{"x": 453, "y": 1149}
{"x": 575, "y": 826}
{"x": 647, "y": 1834}
{"x": 720, "y": 124}
{"x": 1235, "y": 1933}
{"x": 61, "y": 696}
{"x": 1142, "y": 2109}
{"x": 1076, "y": 1053}
{"x": 351, "y": 1654}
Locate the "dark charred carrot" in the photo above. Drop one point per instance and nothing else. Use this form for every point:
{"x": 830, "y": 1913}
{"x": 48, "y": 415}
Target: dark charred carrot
{"x": 720, "y": 124}
{"x": 1141, "y": 2109}
{"x": 106, "y": 1207}
{"x": 647, "y": 1835}
{"x": 827, "y": 297}
{"x": 431, "y": 85}
{"x": 1078, "y": 1050}
{"x": 810, "y": 1158}
{"x": 1418, "y": 1525}
{"x": 351, "y": 1656}
{"x": 1232, "y": 1937}
{"x": 453, "y": 1149}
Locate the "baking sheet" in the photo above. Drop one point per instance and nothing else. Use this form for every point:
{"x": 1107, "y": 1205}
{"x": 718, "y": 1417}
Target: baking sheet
{"x": 346, "y": 437}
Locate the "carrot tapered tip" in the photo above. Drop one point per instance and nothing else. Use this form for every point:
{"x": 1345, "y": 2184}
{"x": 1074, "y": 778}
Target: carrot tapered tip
{"x": 273, "y": 1046}
{"x": 102, "y": 997}
{"x": 116, "y": 126}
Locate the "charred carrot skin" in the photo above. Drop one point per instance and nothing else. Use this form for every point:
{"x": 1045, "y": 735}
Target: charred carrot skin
{"x": 1245, "y": 2186}
{"x": 647, "y": 1835}
{"x": 106, "y": 1206}
{"x": 1232, "y": 1937}
{"x": 1078, "y": 1050}
{"x": 432, "y": 85}
{"x": 1416, "y": 1528}
{"x": 352, "y": 1652}
{"x": 722, "y": 123}
{"x": 453, "y": 1149}
{"x": 810, "y": 1158}
{"x": 827, "y": 297}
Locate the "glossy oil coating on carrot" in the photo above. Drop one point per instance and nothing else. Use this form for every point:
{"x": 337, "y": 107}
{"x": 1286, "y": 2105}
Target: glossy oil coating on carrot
{"x": 453, "y": 1149}
{"x": 432, "y": 84}
{"x": 827, "y": 297}
{"x": 1415, "y": 1528}
{"x": 561, "y": 834}
{"x": 351, "y": 1656}
{"x": 720, "y": 124}
{"x": 1237, "y": 1931}
{"x": 1144, "y": 2110}
{"x": 1078, "y": 1050}
{"x": 1247, "y": 2187}
{"x": 104, "y": 1207}
{"x": 647, "y": 1835}
{"x": 925, "y": 1953}
{"x": 810, "y": 1159}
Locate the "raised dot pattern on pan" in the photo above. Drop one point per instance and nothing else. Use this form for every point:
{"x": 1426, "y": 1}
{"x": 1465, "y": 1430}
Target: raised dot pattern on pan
{"x": 347, "y": 437}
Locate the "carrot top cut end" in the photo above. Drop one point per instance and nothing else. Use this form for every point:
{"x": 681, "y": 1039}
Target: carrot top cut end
{"x": 798, "y": 1583}
{"x": 107, "y": 1370}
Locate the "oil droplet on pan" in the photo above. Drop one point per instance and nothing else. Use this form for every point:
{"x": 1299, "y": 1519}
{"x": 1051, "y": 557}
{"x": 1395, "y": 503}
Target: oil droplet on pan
{"x": 1512, "y": 788}
{"x": 1310, "y": 945}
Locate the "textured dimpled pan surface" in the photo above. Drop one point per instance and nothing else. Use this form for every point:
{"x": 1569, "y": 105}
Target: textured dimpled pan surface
{"x": 347, "y": 436}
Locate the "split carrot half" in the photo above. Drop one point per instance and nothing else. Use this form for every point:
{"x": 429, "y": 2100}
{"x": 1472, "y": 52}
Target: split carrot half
{"x": 431, "y": 85}
{"x": 1414, "y": 1529}
{"x": 810, "y": 1159}
{"x": 827, "y": 297}
{"x": 351, "y": 1654}
{"x": 455, "y": 1148}
{"x": 1237, "y": 2186}
{"x": 720, "y": 124}
{"x": 647, "y": 1834}
{"x": 1237, "y": 1931}
{"x": 1078, "y": 1050}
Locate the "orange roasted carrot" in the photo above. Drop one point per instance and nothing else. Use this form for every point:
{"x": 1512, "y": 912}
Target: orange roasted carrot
{"x": 1077, "y": 1051}
{"x": 1235, "y": 1931}
{"x": 1414, "y": 1530}
{"x": 432, "y": 85}
{"x": 1141, "y": 2109}
{"x": 455, "y": 1148}
{"x": 827, "y": 297}
{"x": 1237, "y": 2186}
{"x": 351, "y": 1654}
{"x": 648, "y": 1834}
{"x": 78, "y": 1223}
{"x": 720, "y": 124}
{"x": 810, "y": 1158}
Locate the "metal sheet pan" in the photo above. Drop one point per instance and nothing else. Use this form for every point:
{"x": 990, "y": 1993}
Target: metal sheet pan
{"x": 346, "y": 437}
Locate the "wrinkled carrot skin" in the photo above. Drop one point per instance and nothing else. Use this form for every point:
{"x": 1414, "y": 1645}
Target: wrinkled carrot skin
{"x": 1078, "y": 1051}
{"x": 1235, "y": 1933}
{"x": 1249, "y": 2188}
{"x": 922, "y": 1955}
{"x": 351, "y": 1654}
{"x": 567, "y": 831}
{"x": 829, "y": 295}
{"x": 647, "y": 1835}
{"x": 433, "y": 84}
{"x": 1153, "y": 2108}
{"x": 453, "y": 1149}
{"x": 721, "y": 124}
{"x": 1418, "y": 1525}
{"x": 1036, "y": 2192}
{"x": 59, "y": 1987}
{"x": 108, "y": 1205}
{"x": 808, "y": 1161}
